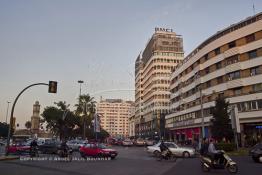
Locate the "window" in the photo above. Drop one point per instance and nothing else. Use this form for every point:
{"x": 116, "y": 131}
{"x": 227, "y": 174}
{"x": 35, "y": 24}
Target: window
{"x": 234, "y": 75}
{"x": 207, "y": 70}
{"x": 221, "y": 95}
{"x": 232, "y": 60}
{"x": 231, "y": 44}
{"x": 259, "y": 104}
{"x": 219, "y": 80}
{"x": 208, "y": 84}
{"x": 254, "y": 71}
{"x": 252, "y": 54}
{"x": 217, "y": 51}
{"x": 218, "y": 65}
{"x": 257, "y": 87}
{"x": 253, "y": 105}
{"x": 250, "y": 38}
{"x": 237, "y": 91}
{"x": 206, "y": 57}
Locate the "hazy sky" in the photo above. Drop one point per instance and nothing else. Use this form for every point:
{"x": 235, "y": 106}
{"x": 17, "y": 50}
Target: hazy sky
{"x": 95, "y": 41}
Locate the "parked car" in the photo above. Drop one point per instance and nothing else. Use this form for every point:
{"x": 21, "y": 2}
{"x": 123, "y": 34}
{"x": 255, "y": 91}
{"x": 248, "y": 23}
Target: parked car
{"x": 119, "y": 142}
{"x": 149, "y": 142}
{"x": 127, "y": 142}
{"x": 174, "y": 148}
{"x": 97, "y": 150}
{"x": 49, "y": 147}
{"x": 76, "y": 144}
{"x": 140, "y": 142}
{"x": 256, "y": 152}
{"x": 19, "y": 148}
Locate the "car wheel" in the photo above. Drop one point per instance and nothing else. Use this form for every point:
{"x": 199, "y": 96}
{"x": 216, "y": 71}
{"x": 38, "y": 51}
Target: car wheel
{"x": 82, "y": 154}
{"x": 156, "y": 153}
{"x": 255, "y": 159}
{"x": 186, "y": 154}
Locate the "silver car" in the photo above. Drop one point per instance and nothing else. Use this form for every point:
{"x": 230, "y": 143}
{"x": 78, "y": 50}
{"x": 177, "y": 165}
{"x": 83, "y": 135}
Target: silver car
{"x": 76, "y": 144}
{"x": 174, "y": 148}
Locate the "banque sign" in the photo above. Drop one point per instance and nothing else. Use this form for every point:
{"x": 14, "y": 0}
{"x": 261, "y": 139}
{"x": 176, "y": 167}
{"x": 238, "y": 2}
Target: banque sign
{"x": 157, "y": 29}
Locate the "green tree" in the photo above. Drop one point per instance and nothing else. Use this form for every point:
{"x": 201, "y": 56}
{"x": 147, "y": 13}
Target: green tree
{"x": 85, "y": 108}
{"x": 28, "y": 124}
{"x": 60, "y": 120}
{"x": 3, "y": 129}
{"x": 221, "y": 127}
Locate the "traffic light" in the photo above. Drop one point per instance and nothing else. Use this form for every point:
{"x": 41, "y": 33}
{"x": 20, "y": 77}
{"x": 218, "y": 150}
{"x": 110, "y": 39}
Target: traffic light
{"x": 52, "y": 87}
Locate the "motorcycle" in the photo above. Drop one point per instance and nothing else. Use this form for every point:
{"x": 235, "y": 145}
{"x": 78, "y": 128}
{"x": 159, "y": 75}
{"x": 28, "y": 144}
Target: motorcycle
{"x": 34, "y": 152}
{"x": 224, "y": 162}
{"x": 65, "y": 153}
{"x": 166, "y": 155}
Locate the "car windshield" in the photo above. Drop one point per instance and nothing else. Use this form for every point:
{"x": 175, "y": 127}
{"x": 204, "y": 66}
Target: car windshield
{"x": 102, "y": 146}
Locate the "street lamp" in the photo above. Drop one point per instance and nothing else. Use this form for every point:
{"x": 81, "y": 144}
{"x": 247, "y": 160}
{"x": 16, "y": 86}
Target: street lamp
{"x": 7, "y": 112}
{"x": 202, "y": 114}
{"x": 80, "y": 82}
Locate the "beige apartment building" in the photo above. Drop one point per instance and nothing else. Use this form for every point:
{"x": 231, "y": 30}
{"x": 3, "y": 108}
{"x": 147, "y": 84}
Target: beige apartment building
{"x": 153, "y": 69}
{"x": 227, "y": 64}
{"x": 115, "y": 114}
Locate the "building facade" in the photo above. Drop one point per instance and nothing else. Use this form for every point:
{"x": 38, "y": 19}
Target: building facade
{"x": 131, "y": 123}
{"x": 114, "y": 115}
{"x": 153, "y": 69}
{"x": 228, "y": 64}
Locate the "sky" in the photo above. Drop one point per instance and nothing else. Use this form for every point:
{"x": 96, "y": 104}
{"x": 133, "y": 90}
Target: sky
{"x": 96, "y": 41}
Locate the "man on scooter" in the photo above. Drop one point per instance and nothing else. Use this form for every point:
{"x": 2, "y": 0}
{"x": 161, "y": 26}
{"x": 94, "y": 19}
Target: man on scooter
{"x": 163, "y": 148}
{"x": 215, "y": 154}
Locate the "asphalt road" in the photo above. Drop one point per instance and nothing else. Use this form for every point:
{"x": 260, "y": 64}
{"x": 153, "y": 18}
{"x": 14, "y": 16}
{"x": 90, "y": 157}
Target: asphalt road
{"x": 130, "y": 161}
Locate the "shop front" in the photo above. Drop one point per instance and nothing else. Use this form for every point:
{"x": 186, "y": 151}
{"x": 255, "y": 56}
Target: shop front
{"x": 187, "y": 135}
{"x": 252, "y": 133}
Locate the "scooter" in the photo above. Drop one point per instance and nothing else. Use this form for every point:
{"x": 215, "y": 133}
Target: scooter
{"x": 224, "y": 162}
{"x": 65, "y": 154}
{"x": 167, "y": 155}
{"x": 34, "y": 152}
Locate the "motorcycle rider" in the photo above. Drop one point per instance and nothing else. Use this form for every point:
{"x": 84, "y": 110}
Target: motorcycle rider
{"x": 214, "y": 154}
{"x": 64, "y": 147}
{"x": 33, "y": 147}
{"x": 163, "y": 148}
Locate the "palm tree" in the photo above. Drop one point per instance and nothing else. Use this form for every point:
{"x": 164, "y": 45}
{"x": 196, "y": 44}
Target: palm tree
{"x": 85, "y": 108}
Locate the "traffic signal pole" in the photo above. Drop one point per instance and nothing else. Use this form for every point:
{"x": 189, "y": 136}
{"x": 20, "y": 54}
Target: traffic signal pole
{"x": 12, "y": 113}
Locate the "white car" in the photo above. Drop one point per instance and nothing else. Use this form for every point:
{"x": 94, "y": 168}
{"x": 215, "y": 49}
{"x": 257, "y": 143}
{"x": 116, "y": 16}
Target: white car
{"x": 174, "y": 148}
{"x": 127, "y": 142}
{"x": 76, "y": 144}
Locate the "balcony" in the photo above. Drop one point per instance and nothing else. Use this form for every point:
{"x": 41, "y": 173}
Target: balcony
{"x": 235, "y": 83}
{"x": 231, "y": 52}
{"x": 197, "y": 81}
{"x": 233, "y": 67}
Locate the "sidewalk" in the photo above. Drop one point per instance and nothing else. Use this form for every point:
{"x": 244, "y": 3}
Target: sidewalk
{"x": 9, "y": 157}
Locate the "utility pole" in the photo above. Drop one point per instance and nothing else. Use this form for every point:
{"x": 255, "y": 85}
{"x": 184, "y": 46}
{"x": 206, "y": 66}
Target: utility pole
{"x": 202, "y": 114}
{"x": 80, "y": 82}
{"x": 7, "y": 112}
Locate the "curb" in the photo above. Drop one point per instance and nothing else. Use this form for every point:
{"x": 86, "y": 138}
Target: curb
{"x": 9, "y": 158}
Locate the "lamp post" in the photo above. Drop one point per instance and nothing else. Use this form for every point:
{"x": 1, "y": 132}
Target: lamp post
{"x": 80, "y": 82}
{"x": 202, "y": 114}
{"x": 7, "y": 112}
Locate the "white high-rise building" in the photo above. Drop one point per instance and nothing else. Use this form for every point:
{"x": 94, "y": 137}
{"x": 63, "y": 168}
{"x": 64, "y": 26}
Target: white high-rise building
{"x": 114, "y": 115}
